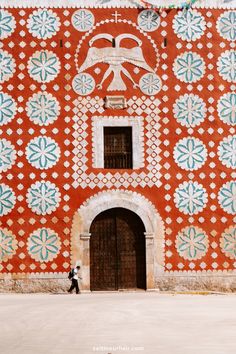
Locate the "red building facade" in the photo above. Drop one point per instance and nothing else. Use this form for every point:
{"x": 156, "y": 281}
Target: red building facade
{"x": 116, "y": 120}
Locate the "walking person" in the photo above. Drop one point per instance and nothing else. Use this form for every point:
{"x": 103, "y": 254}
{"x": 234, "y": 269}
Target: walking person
{"x": 74, "y": 276}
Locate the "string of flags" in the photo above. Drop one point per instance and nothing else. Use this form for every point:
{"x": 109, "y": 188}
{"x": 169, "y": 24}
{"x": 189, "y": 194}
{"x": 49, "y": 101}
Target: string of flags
{"x": 184, "y": 5}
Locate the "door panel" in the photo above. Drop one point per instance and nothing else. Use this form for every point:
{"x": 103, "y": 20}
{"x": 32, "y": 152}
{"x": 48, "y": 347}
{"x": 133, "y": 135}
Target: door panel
{"x": 103, "y": 256}
{"x": 117, "y": 251}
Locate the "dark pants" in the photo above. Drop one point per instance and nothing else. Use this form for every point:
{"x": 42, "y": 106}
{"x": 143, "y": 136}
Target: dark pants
{"x": 74, "y": 285}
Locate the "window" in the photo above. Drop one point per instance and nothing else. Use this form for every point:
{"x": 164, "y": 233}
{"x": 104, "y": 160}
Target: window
{"x": 129, "y": 135}
{"x": 118, "y": 147}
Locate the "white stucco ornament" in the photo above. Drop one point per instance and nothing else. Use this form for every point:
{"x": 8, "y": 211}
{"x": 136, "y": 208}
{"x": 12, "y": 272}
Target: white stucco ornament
{"x": 83, "y": 20}
{"x": 150, "y": 84}
{"x": 115, "y": 57}
{"x": 149, "y": 20}
{"x": 83, "y": 84}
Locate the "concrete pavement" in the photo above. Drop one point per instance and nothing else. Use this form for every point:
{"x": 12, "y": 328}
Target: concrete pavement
{"x": 141, "y": 322}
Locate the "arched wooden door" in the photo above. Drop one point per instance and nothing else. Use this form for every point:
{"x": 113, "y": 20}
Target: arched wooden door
{"x": 117, "y": 251}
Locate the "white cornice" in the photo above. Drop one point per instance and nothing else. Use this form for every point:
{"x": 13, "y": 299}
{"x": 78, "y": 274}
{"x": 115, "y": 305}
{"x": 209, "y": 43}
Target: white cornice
{"x": 215, "y": 4}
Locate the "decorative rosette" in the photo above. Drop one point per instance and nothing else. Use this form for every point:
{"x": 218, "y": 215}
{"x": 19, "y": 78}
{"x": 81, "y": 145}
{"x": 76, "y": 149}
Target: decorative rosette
{"x": 43, "y": 23}
{"x": 44, "y": 245}
{"x": 44, "y": 66}
{"x": 189, "y": 67}
{"x": 190, "y": 153}
{"x": 8, "y": 245}
{"x": 43, "y": 197}
{"x": 192, "y": 243}
{"x": 190, "y": 198}
{"x": 43, "y": 152}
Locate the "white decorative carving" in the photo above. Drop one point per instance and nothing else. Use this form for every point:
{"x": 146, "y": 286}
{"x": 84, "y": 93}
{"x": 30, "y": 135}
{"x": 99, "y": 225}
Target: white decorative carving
{"x": 116, "y": 56}
{"x": 111, "y": 22}
{"x": 86, "y": 107}
{"x": 115, "y": 102}
{"x": 213, "y": 4}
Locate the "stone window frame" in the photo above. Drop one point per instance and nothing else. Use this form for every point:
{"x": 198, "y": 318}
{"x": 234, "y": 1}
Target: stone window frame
{"x": 85, "y": 176}
{"x": 137, "y": 125}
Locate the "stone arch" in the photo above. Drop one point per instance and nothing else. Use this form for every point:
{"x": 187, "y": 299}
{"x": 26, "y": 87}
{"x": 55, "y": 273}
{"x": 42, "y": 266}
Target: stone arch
{"x": 133, "y": 201}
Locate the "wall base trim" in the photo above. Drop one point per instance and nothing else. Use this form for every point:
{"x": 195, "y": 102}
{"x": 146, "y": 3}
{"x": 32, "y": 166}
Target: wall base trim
{"x": 163, "y": 283}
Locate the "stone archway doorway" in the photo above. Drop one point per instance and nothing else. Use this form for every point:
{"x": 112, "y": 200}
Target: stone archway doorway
{"x": 117, "y": 251}
{"x": 134, "y": 202}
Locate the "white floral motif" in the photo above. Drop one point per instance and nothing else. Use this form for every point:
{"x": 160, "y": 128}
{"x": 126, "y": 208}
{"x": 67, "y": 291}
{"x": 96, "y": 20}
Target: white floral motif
{"x": 42, "y": 152}
{"x": 227, "y": 152}
{"x": 190, "y": 153}
{"x": 227, "y": 108}
{"x": 8, "y": 245}
{"x": 44, "y": 245}
{"x": 150, "y": 84}
{"x": 189, "y": 25}
{"x": 227, "y": 197}
{"x": 226, "y": 65}
{"x": 148, "y": 20}
{"x": 7, "y": 199}
{"x": 192, "y": 243}
{"x": 43, "y": 109}
{"x": 7, "y": 24}
{"x": 7, "y": 66}
{"x": 189, "y": 110}
{"x": 43, "y": 197}
{"x": 83, "y": 20}
{"x": 44, "y": 66}
{"x": 190, "y": 198}
{"x": 7, "y": 108}
{"x": 189, "y": 67}
{"x": 83, "y": 84}
{"x": 43, "y": 23}
{"x": 228, "y": 242}
{"x": 7, "y": 155}
{"x": 226, "y": 25}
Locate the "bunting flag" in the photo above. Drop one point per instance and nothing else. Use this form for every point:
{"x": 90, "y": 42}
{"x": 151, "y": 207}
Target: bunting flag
{"x": 184, "y": 5}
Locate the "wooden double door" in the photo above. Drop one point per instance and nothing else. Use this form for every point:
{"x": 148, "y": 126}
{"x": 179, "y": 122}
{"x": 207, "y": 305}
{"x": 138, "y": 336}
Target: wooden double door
{"x": 117, "y": 251}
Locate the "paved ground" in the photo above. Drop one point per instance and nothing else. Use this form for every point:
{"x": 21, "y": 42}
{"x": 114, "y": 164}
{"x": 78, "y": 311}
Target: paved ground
{"x": 149, "y": 323}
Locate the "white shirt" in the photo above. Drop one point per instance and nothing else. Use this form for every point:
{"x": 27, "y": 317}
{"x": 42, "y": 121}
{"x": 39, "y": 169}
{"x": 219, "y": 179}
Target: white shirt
{"x": 76, "y": 274}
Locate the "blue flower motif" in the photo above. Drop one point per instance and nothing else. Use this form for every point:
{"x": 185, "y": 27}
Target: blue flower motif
{"x": 189, "y": 110}
{"x": 227, "y": 108}
{"x": 43, "y": 23}
{"x": 43, "y": 152}
{"x": 44, "y": 66}
{"x": 43, "y": 197}
{"x": 7, "y": 24}
{"x": 83, "y": 84}
{"x": 43, "y": 109}
{"x": 227, "y": 197}
{"x": 7, "y": 199}
{"x": 226, "y": 65}
{"x": 192, "y": 243}
{"x": 190, "y": 153}
{"x": 228, "y": 242}
{"x": 189, "y": 25}
{"x": 7, "y": 155}
{"x": 190, "y": 198}
{"x": 189, "y": 67}
{"x": 227, "y": 151}
{"x": 7, "y": 108}
{"x": 44, "y": 245}
{"x": 83, "y": 20}
{"x": 7, "y": 66}
{"x": 150, "y": 84}
{"x": 8, "y": 245}
{"x": 148, "y": 20}
{"x": 226, "y": 25}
